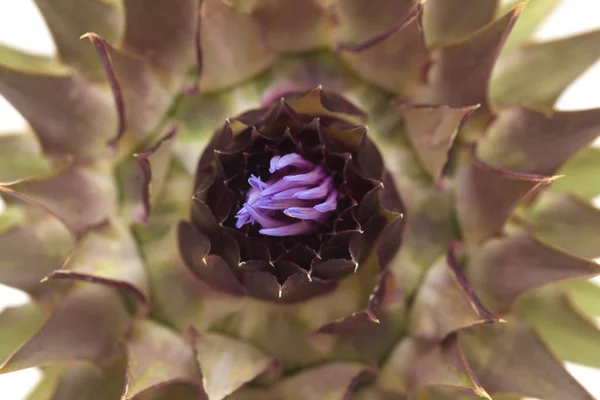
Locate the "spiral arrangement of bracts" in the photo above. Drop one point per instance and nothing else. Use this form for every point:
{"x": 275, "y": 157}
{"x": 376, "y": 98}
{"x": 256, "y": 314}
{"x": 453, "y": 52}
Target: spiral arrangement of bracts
{"x": 300, "y": 199}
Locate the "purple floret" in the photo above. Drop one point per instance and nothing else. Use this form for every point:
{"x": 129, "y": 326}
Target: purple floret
{"x": 296, "y": 200}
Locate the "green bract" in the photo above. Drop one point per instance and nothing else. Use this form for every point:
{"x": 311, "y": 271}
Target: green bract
{"x": 450, "y": 225}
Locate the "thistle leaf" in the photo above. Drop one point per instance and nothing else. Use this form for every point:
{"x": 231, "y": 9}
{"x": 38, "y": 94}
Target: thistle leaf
{"x": 177, "y": 391}
{"x": 368, "y": 392}
{"x": 560, "y": 62}
{"x": 460, "y": 72}
{"x": 107, "y": 255}
{"x": 332, "y": 269}
{"x": 170, "y": 205}
{"x": 444, "y": 366}
{"x": 320, "y": 103}
{"x": 565, "y": 221}
{"x": 158, "y": 357}
{"x": 332, "y": 381}
{"x": 81, "y": 197}
{"x": 233, "y": 46}
{"x": 486, "y": 196}
{"x": 68, "y": 114}
{"x": 32, "y": 251}
{"x": 143, "y": 177}
{"x": 292, "y": 25}
{"x": 68, "y": 381}
{"x": 416, "y": 365}
{"x": 451, "y": 20}
{"x": 510, "y": 358}
{"x": 389, "y": 241}
{"x": 367, "y": 335}
{"x": 16, "y": 60}
{"x": 21, "y": 158}
{"x": 87, "y": 325}
{"x": 201, "y": 114}
{"x": 227, "y": 363}
{"x": 580, "y": 174}
{"x": 271, "y": 326}
{"x": 428, "y": 230}
{"x": 69, "y": 20}
{"x": 354, "y": 140}
{"x": 358, "y": 21}
{"x": 210, "y": 268}
{"x": 552, "y": 315}
{"x": 299, "y": 286}
{"x": 506, "y": 267}
{"x": 585, "y": 296}
{"x": 12, "y": 216}
{"x": 162, "y": 32}
{"x": 392, "y": 60}
{"x": 446, "y": 302}
{"x": 456, "y": 393}
{"x": 140, "y": 96}
{"x": 17, "y": 324}
{"x": 259, "y": 282}
{"x": 76, "y": 380}
{"x": 535, "y": 13}
{"x": 514, "y": 140}
{"x": 178, "y": 297}
{"x": 432, "y": 130}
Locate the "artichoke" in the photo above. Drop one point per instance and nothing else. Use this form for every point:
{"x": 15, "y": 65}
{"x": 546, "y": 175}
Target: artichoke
{"x": 300, "y": 199}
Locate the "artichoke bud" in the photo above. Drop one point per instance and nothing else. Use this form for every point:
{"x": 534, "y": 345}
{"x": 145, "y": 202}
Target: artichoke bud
{"x": 275, "y": 258}
{"x": 291, "y": 192}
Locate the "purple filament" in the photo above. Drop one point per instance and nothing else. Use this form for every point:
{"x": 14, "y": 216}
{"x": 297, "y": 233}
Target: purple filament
{"x": 297, "y": 199}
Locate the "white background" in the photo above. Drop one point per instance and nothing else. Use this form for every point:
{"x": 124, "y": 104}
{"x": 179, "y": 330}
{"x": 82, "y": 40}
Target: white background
{"x": 22, "y": 26}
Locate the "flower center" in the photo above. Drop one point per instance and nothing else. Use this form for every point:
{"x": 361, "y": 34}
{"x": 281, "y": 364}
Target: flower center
{"x": 296, "y": 200}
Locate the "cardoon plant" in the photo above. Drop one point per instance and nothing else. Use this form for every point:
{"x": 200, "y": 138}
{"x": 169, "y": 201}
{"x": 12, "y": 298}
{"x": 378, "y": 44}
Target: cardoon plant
{"x": 300, "y": 199}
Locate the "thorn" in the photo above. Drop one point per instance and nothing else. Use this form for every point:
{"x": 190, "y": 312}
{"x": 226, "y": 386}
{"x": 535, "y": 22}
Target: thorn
{"x": 372, "y": 317}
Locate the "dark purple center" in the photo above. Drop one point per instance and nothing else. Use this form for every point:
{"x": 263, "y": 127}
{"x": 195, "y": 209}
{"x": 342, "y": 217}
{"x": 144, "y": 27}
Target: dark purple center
{"x": 297, "y": 199}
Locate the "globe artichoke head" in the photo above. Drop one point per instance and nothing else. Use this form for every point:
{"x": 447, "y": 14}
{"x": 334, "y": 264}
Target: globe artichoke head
{"x": 285, "y": 199}
{"x": 286, "y": 202}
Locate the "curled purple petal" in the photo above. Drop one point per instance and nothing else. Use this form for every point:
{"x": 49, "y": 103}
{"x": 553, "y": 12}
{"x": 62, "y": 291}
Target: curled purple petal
{"x": 274, "y": 204}
{"x": 304, "y": 213}
{"x": 310, "y": 178}
{"x": 253, "y": 195}
{"x": 330, "y": 204}
{"x": 295, "y": 160}
{"x": 277, "y": 187}
{"x": 289, "y": 194}
{"x": 257, "y": 183}
{"x": 243, "y": 217}
{"x": 273, "y": 164}
{"x": 319, "y": 192}
{"x": 262, "y": 219}
{"x": 298, "y": 228}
